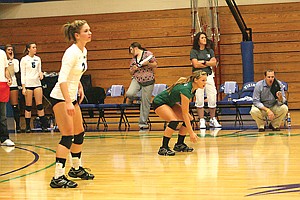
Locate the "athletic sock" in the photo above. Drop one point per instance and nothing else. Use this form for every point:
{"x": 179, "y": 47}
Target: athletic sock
{"x": 180, "y": 139}
{"x": 27, "y": 120}
{"x": 59, "y": 167}
{"x": 76, "y": 160}
{"x": 165, "y": 142}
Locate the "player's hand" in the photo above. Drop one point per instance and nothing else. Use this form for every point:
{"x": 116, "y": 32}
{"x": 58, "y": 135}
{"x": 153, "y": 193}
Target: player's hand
{"x": 41, "y": 75}
{"x": 70, "y": 108}
{"x": 191, "y": 117}
{"x": 193, "y": 137}
{"x": 81, "y": 95}
{"x": 24, "y": 91}
{"x": 9, "y": 82}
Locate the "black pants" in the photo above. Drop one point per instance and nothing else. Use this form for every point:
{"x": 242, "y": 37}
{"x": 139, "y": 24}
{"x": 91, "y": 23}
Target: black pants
{"x": 3, "y": 122}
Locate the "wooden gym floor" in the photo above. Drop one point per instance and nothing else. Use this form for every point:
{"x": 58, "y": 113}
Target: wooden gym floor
{"x": 225, "y": 164}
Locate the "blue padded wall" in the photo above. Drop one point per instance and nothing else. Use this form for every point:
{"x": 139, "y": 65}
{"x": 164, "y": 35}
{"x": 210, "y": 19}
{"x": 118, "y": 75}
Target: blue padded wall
{"x": 247, "y": 59}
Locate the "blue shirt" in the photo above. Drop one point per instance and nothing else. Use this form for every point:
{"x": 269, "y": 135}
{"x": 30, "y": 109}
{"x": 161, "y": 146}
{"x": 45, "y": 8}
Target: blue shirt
{"x": 262, "y": 95}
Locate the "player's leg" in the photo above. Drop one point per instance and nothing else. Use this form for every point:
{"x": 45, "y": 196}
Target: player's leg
{"x": 77, "y": 171}
{"x": 28, "y": 107}
{"x": 65, "y": 124}
{"x": 38, "y": 96}
{"x": 168, "y": 114}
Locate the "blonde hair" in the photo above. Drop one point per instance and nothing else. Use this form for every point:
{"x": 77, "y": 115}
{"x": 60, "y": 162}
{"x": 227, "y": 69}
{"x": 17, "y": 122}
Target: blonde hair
{"x": 182, "y": 80}
{"x": 71, "y": 28}
{"x": 7, "y": 45}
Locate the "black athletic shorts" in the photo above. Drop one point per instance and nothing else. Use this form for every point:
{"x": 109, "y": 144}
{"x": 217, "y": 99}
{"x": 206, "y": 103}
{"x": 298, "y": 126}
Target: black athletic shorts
{"x": 154, "y": 105}
{"x": 32, "y": 88}
{"x": 14, "y": 88}
{"x": 55, "y": 101}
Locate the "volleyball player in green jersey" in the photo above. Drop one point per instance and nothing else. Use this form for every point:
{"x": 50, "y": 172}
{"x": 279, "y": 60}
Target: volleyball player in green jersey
{"x": 172, "y": 105}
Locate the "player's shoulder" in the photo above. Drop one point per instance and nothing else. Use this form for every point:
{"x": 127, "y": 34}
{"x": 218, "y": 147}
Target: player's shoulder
{"x": 2, "y": 52}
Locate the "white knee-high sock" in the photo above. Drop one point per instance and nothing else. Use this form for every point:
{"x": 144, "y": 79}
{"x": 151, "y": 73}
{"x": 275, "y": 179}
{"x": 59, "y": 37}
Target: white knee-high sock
{"x": 59, "y": 170}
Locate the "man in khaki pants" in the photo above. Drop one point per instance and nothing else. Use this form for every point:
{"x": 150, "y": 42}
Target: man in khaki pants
{"x": 269, "y": 102}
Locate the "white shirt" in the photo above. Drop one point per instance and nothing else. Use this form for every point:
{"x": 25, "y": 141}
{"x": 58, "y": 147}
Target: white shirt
{"x": 16, "y": 70}
{"x": 74, "y": 64}
{"x": 3, "y": 65}
{"x": 30, "y": 71}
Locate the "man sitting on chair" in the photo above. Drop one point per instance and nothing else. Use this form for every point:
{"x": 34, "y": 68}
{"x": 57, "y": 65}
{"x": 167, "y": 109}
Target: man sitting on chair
{"x": 269, "y": 101}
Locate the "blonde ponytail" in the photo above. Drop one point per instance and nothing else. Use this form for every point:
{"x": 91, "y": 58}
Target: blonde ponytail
{"x": 70, "y": 29}
{"x": 182, "y": 80}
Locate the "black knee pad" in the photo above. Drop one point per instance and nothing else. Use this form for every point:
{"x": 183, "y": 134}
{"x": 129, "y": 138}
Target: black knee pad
{"x": 173, "y": 125}
{"x": 66, "y": 141}
{"x": 78, "y": 139}
{"x": 183, "y": 124}
{"x": 40, "y": 107}
{"x": 28, "y": 108}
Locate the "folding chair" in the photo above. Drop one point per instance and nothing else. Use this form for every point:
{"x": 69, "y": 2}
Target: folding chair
{"x": 114, "y": 110}
{"x": 93, "y": 97}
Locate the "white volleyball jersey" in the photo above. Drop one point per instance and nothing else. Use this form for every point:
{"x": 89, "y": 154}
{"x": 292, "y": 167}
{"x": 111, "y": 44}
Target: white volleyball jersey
{"x": 3, "y": 65}
{"x": 16, "y": 69}
{"x": 74, "y": 64}
{"x": 30, "y": 70}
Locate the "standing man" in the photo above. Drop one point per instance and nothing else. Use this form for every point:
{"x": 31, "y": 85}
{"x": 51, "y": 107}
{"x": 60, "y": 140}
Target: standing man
{"x": 5, "y": 82}
{"x": 268, "y": 102}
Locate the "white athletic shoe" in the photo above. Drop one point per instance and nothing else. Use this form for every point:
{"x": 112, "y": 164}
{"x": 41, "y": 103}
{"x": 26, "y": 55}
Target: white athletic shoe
{"x": 214, "y": 123}
{"x": 202, "y": 132}
{"x": 215, "y": 132}
{"x": 8, "y": 149}
{"x": 8, "y": 143}
{"x": 202, "y": 123}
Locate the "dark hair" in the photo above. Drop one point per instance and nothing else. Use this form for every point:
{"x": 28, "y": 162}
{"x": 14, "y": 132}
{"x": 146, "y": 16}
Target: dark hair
{"x": 196, "y": 45}
{"x": 28, "y": 45}
{"x": 269, "y": 70}
{"x": 138, "y": 45}
{"x": 71, "y": 28}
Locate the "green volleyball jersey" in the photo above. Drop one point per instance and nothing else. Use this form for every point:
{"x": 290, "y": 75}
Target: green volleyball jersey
{"x": 174, "y": 96}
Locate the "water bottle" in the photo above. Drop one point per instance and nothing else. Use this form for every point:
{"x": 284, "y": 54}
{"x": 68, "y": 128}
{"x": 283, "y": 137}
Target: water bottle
{"x": 229, "y": 96}
{"x": 288, "y": 120}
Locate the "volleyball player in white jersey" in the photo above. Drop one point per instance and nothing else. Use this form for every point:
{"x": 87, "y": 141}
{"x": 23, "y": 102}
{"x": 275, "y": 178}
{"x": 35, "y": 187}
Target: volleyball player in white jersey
{"x": 31, "y": 76}
{"x": 13, "y": 68}
{"x": 65, "y": 106}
